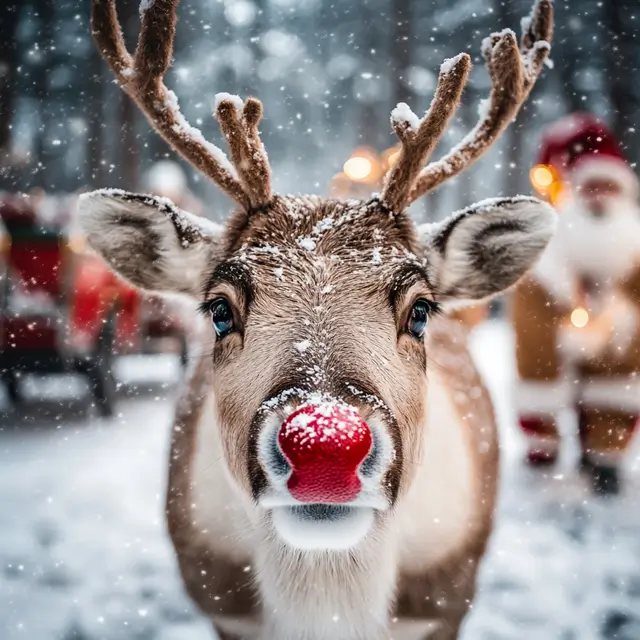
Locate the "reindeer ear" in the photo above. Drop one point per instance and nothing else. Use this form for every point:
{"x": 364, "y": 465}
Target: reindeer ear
{"x": 149, "y": 241}
{"x": 484, "y": 249}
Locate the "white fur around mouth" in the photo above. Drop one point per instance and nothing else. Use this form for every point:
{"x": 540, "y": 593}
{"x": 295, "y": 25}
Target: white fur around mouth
{"x": 319, "y": 527}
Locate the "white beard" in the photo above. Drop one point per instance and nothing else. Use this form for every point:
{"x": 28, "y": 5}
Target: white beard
{"x": 604, "y": 248}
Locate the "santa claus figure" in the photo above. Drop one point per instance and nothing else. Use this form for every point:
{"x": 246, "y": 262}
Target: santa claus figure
{"x": 577, "y": 315}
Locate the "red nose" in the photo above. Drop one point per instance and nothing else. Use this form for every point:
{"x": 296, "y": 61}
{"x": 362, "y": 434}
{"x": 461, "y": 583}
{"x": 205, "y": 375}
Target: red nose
{"x": 324, "y": 445}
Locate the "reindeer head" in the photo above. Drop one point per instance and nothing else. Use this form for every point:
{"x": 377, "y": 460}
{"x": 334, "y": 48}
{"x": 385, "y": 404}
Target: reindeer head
{"x": 319, "y": 307}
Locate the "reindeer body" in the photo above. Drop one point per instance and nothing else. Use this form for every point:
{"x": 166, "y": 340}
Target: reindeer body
{"x": 334, "y": 463}
{"x": 421, "y": 575}
{"x": 419, "y": 569}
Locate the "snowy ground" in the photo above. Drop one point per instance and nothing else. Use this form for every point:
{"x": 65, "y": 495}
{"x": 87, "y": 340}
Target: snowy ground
{"x": 84, "y": 556}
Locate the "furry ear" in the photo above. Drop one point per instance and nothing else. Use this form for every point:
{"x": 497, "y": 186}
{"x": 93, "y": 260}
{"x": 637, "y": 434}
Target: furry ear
{"x": 486, "y": 248}
{"x": 149, "y": 241}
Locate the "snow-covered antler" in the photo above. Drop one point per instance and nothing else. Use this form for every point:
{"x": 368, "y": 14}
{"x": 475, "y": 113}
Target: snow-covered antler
{"x": 419, "y": 137}
{"x": 513, "y": 74}
{"x": 247, "y": 180}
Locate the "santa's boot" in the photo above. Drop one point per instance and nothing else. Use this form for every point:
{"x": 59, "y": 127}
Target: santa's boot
{"x": 543, "y": 441}
{"x": 604, "y": 437}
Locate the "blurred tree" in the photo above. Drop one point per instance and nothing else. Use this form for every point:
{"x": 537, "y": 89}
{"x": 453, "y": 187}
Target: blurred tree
{"x": 95, "y": 121}
{"x": 401, "y": 51}
{"x": 9, "y": 16}
{"x": 128, "y": 149}
{"x": 512, "y": 162}
{"x": 622, "y": 20}
{"x": 42, "y": 53}
{"x": 372, "y": 85}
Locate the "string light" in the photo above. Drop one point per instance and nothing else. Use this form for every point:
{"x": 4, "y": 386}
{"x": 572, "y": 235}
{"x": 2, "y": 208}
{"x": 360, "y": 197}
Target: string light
{"x": 579, "y": 317}
{"x": 541, "y": 177}
{"x": 358, "y": 168}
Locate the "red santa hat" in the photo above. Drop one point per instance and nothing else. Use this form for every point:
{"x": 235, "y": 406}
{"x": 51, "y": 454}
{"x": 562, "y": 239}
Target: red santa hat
{"x": 581, "y": 148}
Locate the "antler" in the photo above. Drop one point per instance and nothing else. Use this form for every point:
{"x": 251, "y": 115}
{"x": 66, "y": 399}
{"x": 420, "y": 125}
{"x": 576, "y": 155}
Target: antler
{"x": 247, "y": 180}
{"x": 419, "y": 137}
{"x": 513, "y": 74}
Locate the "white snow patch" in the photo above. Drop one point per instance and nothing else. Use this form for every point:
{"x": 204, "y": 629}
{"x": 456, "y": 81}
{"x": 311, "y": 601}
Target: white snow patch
{"x": 182, "y": 127}
{"x": 448, "y": 65}
{"x": 145, "y": 5}
{"x": 237, "y": 101}
{"x": 302, "y": 346}
{"x": 307, "y": 243}
{"x": 402, "y": 114}
{"x": 497, "y": 36}
{"x": 483, "y": 107}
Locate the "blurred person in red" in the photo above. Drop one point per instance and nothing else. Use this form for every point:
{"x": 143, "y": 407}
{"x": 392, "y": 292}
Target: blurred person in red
{"x": 577, "y": 315}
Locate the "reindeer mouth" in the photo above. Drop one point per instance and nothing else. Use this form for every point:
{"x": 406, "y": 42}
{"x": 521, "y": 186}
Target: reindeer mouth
{"x": 322, "y": 512}
{"x": 322, "y": 526}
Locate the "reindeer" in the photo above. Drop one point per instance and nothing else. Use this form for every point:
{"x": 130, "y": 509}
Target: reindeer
{"x": 334, "y": 456}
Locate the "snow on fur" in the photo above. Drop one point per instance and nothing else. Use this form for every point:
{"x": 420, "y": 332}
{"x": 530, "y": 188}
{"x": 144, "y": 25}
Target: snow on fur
{"x": 450, "y": 63}
{"x": 189, "y": 131}
{"x": 237, "y": 101}
{"x": 403, "y": 115}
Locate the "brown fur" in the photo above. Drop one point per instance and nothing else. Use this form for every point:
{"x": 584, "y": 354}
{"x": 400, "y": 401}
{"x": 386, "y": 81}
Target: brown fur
{"x": 446, "y": 591}
{"x": 342, "y": 259}
{"x": 222, "y": 587}
{"x": 216, "y": 583}
{"x": 341, "y": 277}
{"x": 513, "y": 75}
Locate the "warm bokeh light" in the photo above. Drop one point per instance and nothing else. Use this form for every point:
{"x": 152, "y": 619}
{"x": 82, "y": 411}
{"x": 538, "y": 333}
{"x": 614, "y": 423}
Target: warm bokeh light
{"x": 579, "y": 317}
{"x": 541, "y": 177}
{"x": 556, "y": 193}
{"x": 358, "y": 168}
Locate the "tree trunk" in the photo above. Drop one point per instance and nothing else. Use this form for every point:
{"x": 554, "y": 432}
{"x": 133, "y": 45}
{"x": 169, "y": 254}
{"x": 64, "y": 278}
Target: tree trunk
{"x": 401, "y": 51}
{"x": 129, "y": 149}
{"x": 513, "y": 137}
{"x": 9, "y": 14}
{"x": 368, "y": 123}
{"x": 95, "y": 122}
{"x": 45, "y": 12}
{"x": 624, "y": 94}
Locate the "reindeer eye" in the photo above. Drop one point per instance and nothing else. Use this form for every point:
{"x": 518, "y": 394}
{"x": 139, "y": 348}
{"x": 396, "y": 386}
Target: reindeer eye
{"x": 221, "y": 316}
{"x": 418, "y": 318}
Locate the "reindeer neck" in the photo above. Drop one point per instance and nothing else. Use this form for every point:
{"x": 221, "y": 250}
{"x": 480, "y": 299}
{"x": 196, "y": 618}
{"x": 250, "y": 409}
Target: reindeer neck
{"x": 344, "y": 595}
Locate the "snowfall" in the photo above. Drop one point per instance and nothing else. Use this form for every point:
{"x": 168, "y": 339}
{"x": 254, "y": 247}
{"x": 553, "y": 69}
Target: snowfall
{"x": 84, "y": 554}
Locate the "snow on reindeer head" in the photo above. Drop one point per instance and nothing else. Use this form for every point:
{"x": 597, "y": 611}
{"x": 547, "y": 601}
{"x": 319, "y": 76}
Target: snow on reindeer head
{"x": 320, "y": 306}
